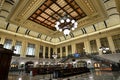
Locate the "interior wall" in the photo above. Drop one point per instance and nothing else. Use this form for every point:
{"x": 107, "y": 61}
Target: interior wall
{"x": 86, "y": 40}
{"x": 24, "y": 41}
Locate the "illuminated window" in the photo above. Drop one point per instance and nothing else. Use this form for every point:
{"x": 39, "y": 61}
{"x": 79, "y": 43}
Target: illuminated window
{"x": 8, "y": 44}
{"x": 30, "y": 49}
{"x": 18, "y": 46}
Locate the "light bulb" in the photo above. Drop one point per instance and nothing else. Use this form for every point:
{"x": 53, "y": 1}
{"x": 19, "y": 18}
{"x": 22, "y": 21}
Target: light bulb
{"x": 57, "y": 23}
{"x": 67, "y": 20}
{"x": 56, "y": 26}
{"x": 104, "y": 51}
{"x": 66, "y": 31}
{"x": 106, "y": 48}
{"x": 62, "y": 21}
{"x": 73, "y": 21}
{"x": 73, "y": 28}
{"x": 60, "y": 30}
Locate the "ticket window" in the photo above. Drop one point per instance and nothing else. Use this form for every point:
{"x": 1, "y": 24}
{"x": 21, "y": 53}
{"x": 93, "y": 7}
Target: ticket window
{"x": 97, "y": 65}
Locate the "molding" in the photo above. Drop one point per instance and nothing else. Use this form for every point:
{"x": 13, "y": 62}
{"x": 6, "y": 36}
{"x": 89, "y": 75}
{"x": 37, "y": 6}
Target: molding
{"x": 93, "y": 8}
{"x": 62, "y": 42}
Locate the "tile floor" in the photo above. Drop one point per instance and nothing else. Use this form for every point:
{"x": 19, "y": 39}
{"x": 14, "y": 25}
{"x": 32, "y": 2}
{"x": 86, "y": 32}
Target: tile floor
{"x": 93, "y": 75}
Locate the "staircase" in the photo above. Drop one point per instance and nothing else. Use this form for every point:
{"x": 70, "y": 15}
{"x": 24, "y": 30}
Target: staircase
{"x": 105, "y": 62}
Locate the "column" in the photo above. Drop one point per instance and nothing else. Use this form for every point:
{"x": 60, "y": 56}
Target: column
{"x": 60, "y": 52}
{"x": 49, "y": 52}
{"x": 2, "y": 40}
{"x": 13, "y": 42}
{"x": 24, "y": 48}
{"x": 37, "y": 49}
{"x": 87, "y": 46}
{"x": 111, "y": 44}
{"x": 73, "y": 48}
{"x": 99, "y": 45}
{"x": 44, "y": 52}
{"x": 66, "y": 47}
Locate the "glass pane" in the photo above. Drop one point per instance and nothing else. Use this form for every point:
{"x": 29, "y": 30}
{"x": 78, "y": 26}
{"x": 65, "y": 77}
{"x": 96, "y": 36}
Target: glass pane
{"x": 93, "y": 46}
{"x": 18, "y": 46}
{"x": 38, "y": 11}
{"x": 62, "y": 3}
{"x": 58, "y": 50}
{"x": 67, "y": 7}
{"x": 46, "y": 52}
{"x": 49, "y": 11}
{"x": 63, "y": 49}
{"x": 34, "y": 15}
{"x": 54, "y": 7}
{"x": 30, "y": 49}
{"x": 44, "y": 15}
{"x": 8, "y": 44}
{"x": 48, "y": 3}
{"x": 43, "y": 7}
{"x": 116, "y": 40}
{"x": 74, "y": 14}
{"x": 40, "y": 18}
{"x": 41, "y": 52}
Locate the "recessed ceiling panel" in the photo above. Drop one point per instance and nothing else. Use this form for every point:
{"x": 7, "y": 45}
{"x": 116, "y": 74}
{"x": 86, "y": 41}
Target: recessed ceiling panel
{"x": 52, "y": 10}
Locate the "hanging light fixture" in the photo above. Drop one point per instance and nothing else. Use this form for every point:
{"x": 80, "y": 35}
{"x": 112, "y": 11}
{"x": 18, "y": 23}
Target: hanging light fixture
{"x": 66, "y": 24}
{"x": 104, "y": 49}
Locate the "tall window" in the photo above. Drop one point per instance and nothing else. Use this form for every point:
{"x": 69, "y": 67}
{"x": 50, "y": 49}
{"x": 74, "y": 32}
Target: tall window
{"x": 18, "y": 46}
{"x": 69, "y": 49}
{"x": 80, "y": 48}
{"x": 93, "y": 46}
{"x": 58, "y": 52}
{"x": 116, "y": 40}
{"x": 46, "y": 52}
{"x": 104, "y": 42}
{"x": 41, "y": 52}
{"x": 30, "y": 49}
{"x": 51, "y": 52}
{"x": 63, "y": 51}
{"x": 8, "y": 44}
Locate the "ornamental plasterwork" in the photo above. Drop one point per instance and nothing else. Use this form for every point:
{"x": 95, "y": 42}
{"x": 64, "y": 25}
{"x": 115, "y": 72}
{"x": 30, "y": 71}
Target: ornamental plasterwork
{"x": 25, "y": 8}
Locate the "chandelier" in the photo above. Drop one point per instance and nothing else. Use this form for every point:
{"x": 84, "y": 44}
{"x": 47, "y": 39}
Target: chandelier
{"x": 104, "y": 49}
{"x": 66, "y": 24}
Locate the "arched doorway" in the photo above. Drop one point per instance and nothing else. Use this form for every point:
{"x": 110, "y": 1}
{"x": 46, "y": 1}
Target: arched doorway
{"x": 14, "y": 65}
{"x": 28, "y": 66}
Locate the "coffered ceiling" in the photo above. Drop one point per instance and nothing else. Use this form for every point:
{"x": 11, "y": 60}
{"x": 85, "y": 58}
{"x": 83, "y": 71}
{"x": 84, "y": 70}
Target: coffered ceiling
{"x": 53, "y": 10}
{"x": 41, "y": 15}
{"x": 36, "y": 18}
